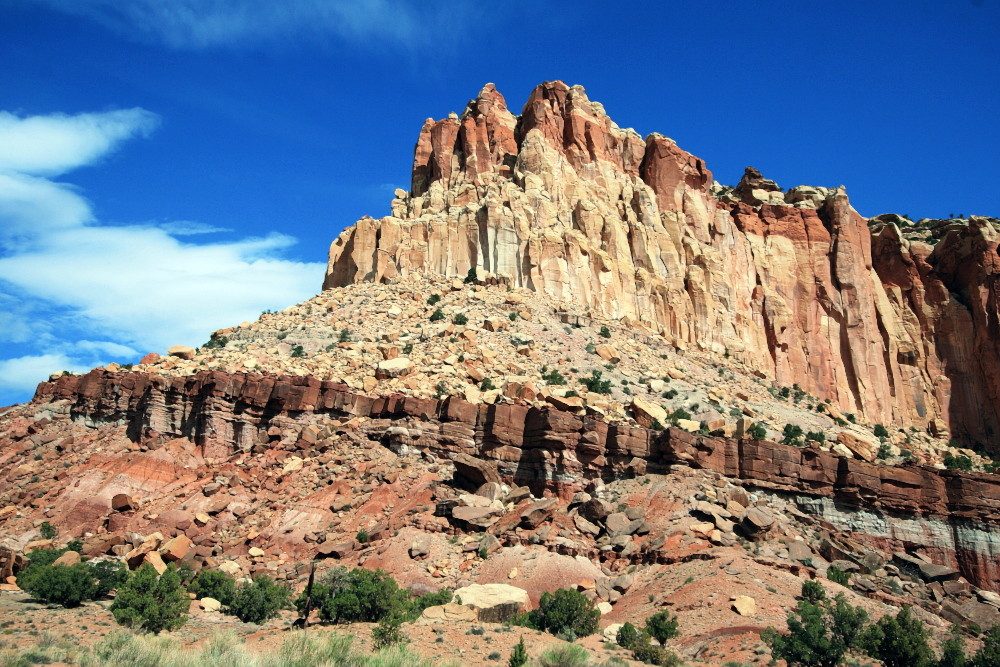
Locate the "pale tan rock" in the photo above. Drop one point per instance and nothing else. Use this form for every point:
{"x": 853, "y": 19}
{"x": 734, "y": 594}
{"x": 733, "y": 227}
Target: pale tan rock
{"x": 646, "y": 413}
{"x": 210, "y": 604}
{"x": 67, "y": 559}
{"x": 608, "y": 353}
{"x": 493, "y": 600}
{"x": 447, "y": 613}
{"x": 292, "y": 464}
{"x": 744, "y": 605}
{"x": 393, "y": 368}
{"x": 153, "y": 558}
{"x": 181, "y": 352}
{"x": 863, "y": 445}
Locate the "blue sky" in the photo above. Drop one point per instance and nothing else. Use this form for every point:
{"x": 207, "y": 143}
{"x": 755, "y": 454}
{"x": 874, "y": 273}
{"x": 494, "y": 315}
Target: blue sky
{"x": 170, "y": 167}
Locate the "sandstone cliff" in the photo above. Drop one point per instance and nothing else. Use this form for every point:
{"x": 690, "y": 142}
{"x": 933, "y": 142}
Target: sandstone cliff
{"x": 220, "y": 417}
{"x": 794, "y": 283}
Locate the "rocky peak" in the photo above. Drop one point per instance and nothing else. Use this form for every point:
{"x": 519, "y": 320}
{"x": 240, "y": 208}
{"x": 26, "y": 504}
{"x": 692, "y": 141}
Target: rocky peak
{"x": 562, "y": 201}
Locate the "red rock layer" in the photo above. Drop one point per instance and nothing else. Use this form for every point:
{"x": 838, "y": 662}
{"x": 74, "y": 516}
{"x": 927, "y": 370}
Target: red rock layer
{"x": 543, "y": 448}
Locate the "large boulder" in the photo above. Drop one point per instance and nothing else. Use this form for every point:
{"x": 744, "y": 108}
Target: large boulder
{"x": 447, "y": 613}
{"x": 493, "y": 603}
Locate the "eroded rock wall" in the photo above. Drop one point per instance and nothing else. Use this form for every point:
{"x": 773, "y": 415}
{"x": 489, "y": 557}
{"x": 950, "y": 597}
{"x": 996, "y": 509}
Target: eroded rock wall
{"x": 955, "y": 516}
{"x": 561, "y": 200}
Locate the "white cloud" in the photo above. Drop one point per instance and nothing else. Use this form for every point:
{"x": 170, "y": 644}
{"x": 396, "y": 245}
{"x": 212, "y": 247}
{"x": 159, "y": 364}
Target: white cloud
{"x": 196, "y": 24}
{"x": 23, "y": 374}
{"x": 54, "y": 144}
{"x": 189, "y": 228}
{"x": 78, "y": 293}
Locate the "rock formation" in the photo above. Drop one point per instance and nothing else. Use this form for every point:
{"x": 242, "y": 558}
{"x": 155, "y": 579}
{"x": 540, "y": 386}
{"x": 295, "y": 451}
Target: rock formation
{"x": 955, "y": 517}
{"x": 563, "y": 201}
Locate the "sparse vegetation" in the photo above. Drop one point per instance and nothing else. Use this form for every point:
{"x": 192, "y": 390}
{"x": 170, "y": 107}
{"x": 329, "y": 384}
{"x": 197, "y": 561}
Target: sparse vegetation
{"x": 792, "y": 435}
{"x": 151, "y": 602}
{"x": 757, "y": 431}
{"x": 566, "y": 612}
{"x": 460, "y": 319}
{"x": 437, "y": 315}
{"x": 605, "y": 332}
{"x": 960, "y": 462}
{"x": 595, "y": 384}
{"x": 214, "y": 584}
{"x": 260, "y": 600}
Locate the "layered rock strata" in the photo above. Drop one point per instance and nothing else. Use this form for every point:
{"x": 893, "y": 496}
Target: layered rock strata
{"x": 952, "y": 516}
{"x": 563, "y": 201}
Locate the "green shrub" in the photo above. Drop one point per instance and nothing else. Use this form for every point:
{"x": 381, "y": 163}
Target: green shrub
{"x": 605, "y": 332}
{"x": 519, "y": 656}
{"x": 898, "y": 641}
{"x": 836, "y": 575}
{"x": 151, "y": 602}
{"x": 387, "y": 633}
{"x": 554, "y": 377}
{"x": 108, "y": 575}
{"x": 471, "y": 276}
{"x": 487, "y": 385}
{"x": 791, "y": 435}
{"x": 345, "y": 336}
{"x": 437, "y": 315}
{"x": 216, "y": 343}
{"x": 595, "y": 384}
{"x": 989, "y": 654}
{"x": 884, "y": 451}
{"x": 813, "y": 591}
{"x": 47, "y": 530}
{"x": 566, "y": 611}
{"x": 362, "y": 536}
{"x": 962, "y": 462}
{"x": 433, "y": 299}
{"x": 757, "y": 431}
{"x": 816, "y": 436}
{"x": 260, "y": 600}
{"x": 358, "y": 595}
{"x": 461, "y": 319}
{"x": 662, "y": 626}
{"x": 297, "y": 351}
{"x": 628, "y": 636}
{"x": 60, "y": 584}
{"x": 214, "y": 584}
{"x": 679, "y": 413}
{"x": 953, "y": 652}
{"x": 818, "y": 633}
{"x": 880, "y": 432}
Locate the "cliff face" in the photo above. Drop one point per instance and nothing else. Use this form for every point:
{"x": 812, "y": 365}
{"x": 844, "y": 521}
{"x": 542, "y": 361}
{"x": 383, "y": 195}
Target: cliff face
{"x": 951, "y": 517}
{"x": 563, "y": 201}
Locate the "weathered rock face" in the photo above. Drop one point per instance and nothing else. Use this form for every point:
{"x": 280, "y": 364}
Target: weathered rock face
{"x": 563, "y": 201}
{"x": 954, "y": 516}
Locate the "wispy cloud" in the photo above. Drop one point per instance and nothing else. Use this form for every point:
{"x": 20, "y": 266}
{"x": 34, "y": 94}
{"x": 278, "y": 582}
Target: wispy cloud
{"x": 77, "y": 293}
{"x": 198, "y": 24}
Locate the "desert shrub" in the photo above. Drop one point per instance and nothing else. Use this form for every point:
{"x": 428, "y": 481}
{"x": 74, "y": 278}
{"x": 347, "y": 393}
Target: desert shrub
{"x": 883, "y": 451}
{"x": 554, "y": 377}
{"x": 628, "y": 636}
{"x": 297, "y": 351}
{"x": 953, "y": 652}
{"x": 898, "y": 641}
{"x": 387, "y": 633}
{"x": 813, "y": 591}
{"x": 461, "y": 319}
{"x": 566, "y": 611}
{"x": 345, "y": 336}
{"x": 47, "y": 530}
{"x": 151, "y": 602}
{"x": 816, "y": 436}
{"x": 605, "y": 332}
{"x": 346, "y": 596}
{"x": 961, "y": 462}
{"x": 433, "y": 299}
{"x": 362, "y": 536}
{"x": 880, "y": 432}
{"x": 108, "y": 575}
{"x": 471, "y": 276}
{"x": 519, "y": 656}
{"x": 60, "y": 584}
{"x": 487, "y": 385}
{"x": 819, "y": 633}
{"x": 791, "y": 434}
{"x": 757, "y": 431}
{"x": 260, "y": 600}
{"x": 595, "y": 384}
{"x": 437, "y": 315}
{"x": 679, "y": 413}
{"x": 836, "y": 575}
{"x": 566, "y": 655}
{"x": 989, "y": 654}
{"x": 662, "y": 626}
{"x": 214, "y": 584}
